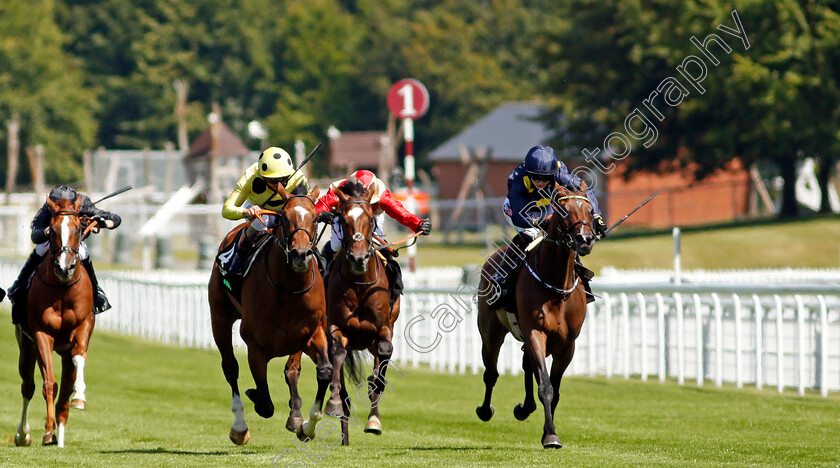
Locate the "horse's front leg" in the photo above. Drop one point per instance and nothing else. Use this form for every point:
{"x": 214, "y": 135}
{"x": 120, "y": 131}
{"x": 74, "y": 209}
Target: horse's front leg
{"x": 26, "y": 368}
{"x": 292, "y": 373}
{"x": 522, "y": 410}
{"x": 79, "y": 353}
{"x": 535, "y": 347}
{"x": 258, "y": 362}
{"x": 338, "y": 353}
{"x": 44, "y": 343}
{"x": 319, "y": 351}
{"x": 382, "y": 349}
{"x": 558, "y": 367}
{"x": 62, "y": 404}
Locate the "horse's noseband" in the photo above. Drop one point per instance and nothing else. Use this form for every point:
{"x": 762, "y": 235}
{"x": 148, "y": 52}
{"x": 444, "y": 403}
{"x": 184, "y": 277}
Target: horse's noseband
{"x": 285, "y": 240}
{"x": 358, "y": 236}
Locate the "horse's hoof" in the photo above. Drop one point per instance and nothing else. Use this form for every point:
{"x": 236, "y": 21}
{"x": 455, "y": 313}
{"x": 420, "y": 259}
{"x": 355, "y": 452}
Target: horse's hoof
{"x": 485, "y": 413}
{"x": 49, "y": 439}
{"x": 301, "y": 436}
{"x": 552, "y": 442}
{"x": 263, "y": 408}
{"x": 521, "y": 413}
{"x": 293, "y": 423}
{"x": 78, "y": 404}
{"x": 240, "y": 437}
{"x": 23, "y": 440}
{"x": 374, "y": 426}
{"x": 334, "y": 409}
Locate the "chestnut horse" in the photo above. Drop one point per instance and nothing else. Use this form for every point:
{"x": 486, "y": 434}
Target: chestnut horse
{"x": 359, "y": 311}
{"x": 550, "y": 305}
{"x": 283, "y": 313}
{"x": 60, "y": 319}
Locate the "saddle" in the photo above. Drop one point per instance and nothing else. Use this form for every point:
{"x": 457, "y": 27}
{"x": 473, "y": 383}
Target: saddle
{"x": 232, "y": 281}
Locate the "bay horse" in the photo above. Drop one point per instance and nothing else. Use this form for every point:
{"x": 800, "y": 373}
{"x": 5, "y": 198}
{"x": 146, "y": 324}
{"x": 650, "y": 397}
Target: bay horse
{"x": 550, "y": 308}
{"x": 283, "y": 313}
{"x": 359, "y": 311}
{"x": 60, "y": 319}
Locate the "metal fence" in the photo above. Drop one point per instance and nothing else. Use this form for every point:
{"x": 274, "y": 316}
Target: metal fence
{"x": 780, "y": 335}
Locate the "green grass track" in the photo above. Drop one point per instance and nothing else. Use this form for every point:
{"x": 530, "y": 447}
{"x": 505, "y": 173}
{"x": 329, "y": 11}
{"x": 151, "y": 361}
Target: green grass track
{"x": 154, "y": 405}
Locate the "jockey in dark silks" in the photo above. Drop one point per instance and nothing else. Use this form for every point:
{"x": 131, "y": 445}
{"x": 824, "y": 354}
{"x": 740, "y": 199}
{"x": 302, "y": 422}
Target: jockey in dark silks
{"x": 41, "y": 237}
{"x": 528, "y": 204}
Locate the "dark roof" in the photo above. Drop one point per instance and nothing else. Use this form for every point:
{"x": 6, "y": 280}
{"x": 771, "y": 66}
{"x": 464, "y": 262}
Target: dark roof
{"x": 356, "y": 148}
{"x": 228, "y": 144}
{"x": 507, "y": 132}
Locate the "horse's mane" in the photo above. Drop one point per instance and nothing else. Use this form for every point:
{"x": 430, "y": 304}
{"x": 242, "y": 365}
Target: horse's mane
{"x": 353, "y": 187}
{"x": 301, "y": 189}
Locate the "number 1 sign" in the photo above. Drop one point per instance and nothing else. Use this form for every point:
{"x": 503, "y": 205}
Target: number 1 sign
{"x": 408, "y": 99}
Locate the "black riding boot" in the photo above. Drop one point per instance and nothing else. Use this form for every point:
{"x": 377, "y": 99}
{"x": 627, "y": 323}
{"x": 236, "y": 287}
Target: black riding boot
{"x": 586, "y": 276}
{"x": 2, "y": 294}
{"x": 19, "y": 290}
{"x": 100, "y": 302}
{"x": 509, "y": 261}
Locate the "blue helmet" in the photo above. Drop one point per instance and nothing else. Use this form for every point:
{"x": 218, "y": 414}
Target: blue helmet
{"x": 541, "y": 160}
{"x": 63, "y": 192}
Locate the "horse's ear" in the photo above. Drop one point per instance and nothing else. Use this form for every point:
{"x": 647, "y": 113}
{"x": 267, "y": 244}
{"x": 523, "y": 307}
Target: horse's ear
{"x": 342, "y": 197}
{"x": 582, "y": 185}
{"x": 368, "y": 196}
{"x": 51, "y": 205}
{"x": 77, "y": 205}
{"x": 314, "y": 193}
{"x": 284, "y": 195}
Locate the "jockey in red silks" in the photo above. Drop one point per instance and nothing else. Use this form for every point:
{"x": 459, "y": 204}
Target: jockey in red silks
{"x": 382, "y": 202}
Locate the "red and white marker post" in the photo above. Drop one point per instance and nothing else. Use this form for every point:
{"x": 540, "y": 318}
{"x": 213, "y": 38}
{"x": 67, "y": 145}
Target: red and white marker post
{"x": 408, "y": 100}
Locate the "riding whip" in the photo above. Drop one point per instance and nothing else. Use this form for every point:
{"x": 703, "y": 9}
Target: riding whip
{"x": 634, "y": 210}
{"x": 114, "y": 194}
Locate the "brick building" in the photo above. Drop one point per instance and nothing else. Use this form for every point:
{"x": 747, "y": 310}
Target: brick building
{"x": 511, "y": 129}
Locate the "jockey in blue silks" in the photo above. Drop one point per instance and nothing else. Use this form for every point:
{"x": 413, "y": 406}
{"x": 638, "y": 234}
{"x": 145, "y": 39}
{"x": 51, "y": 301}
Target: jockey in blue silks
{"x": 527, "y": 206}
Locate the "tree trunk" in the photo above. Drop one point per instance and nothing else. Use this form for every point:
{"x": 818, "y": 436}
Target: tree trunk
{"x": 827, "y": 163}
{"x": 787, "y": 165}
{"x": 13, "y": 148}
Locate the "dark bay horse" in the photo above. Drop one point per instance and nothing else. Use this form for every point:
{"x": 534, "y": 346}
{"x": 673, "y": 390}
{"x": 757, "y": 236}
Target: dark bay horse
{"x": 60, "y": 319}
{"x": 359, "y": 312}
{"x": 550, "y": 307}
{"x": 283, "y": 313}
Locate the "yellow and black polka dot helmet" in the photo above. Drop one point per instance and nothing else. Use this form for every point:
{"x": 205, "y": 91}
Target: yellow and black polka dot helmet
{"x": 275, "y": 163}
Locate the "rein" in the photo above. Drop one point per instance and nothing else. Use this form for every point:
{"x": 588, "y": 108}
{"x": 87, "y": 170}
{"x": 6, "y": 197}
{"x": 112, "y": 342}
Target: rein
{"x": 567, "y": 241}
{"x": 358, "y": 237}
{"x": 43, "y": 281}
{"x": 283, "y": 241}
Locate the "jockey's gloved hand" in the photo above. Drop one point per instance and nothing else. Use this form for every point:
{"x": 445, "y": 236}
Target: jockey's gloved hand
{"x": 99, "y": 220}
{"x": 325, "y": 217}
{"x": 600, "y": 226}
{"x": 425, "y": 227}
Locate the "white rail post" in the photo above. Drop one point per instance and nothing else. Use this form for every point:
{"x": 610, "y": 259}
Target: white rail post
{"x": 759, "y": 341}
{"x": 739, "y": 343}
{"x": 660, "y": 317}
{"x": 625, "y": 336}
{"x": 680, "y": 339}
{"x": 590, "y": 341}
{"x": 823, "y": 355}
{"x": 698, "y": 310}
{"x": 800, "y": 344}
{"x": 780, "y": 355}
{"x": 608, "y": 332}
{"x": 718, "y": 340}
{"x": 643, "y": 326}
{"x": 677, "y": 265}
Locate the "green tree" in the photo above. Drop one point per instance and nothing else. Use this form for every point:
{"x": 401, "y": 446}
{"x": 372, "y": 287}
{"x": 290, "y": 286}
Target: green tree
{"x": 42, "y": 84}
{"x": 774, "y": 101}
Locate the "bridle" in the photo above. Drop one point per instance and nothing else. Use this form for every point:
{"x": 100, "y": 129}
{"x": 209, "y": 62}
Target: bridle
{"x": 567, "y": 236}
{"x": 284, "y": 241}
{"x": 347, "y": 241}
{"x": 57, "y": 251}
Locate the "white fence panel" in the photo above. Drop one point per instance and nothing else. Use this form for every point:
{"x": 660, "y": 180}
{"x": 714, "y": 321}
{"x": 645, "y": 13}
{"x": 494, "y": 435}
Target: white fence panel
{"x": 779, "y": 335}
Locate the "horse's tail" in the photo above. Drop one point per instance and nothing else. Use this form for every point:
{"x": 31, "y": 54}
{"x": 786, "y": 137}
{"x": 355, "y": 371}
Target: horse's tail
{"x": 354, "y": 366}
